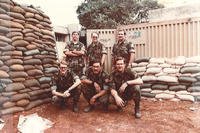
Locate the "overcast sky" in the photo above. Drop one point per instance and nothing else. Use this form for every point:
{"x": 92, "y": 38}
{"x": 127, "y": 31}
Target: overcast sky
{"x": 61, "y": 12}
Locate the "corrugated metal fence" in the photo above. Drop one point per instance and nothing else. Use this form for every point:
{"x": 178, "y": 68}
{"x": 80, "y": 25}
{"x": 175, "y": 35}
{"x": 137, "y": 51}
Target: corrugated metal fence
{"x": 157, "y": 39}
{"x": 166, "y": 39}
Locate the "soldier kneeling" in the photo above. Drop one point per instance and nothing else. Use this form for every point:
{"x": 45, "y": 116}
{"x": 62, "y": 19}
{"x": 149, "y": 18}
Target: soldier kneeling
{"x": 95, "y": 86}
{"x": 66, "y": 85}
{"x": 125, "y": 86}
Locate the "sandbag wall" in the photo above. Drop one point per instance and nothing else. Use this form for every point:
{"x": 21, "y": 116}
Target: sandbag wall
{"x": 171, "y": 79}
{"x": 27, "y": 57}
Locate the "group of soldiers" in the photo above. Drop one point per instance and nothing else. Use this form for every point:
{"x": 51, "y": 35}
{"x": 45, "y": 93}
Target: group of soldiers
{"x": 97, "y": 86}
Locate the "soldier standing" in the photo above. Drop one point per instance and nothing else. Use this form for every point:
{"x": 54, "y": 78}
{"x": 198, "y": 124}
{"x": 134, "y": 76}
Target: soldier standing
{"x": 124, "y": 49}
{"x": 75, "y": 52}
{"x": 95, "y": 86}
{"x": 96, "y": 50}
{"x": 125, "y": 86}
{"x": 64, "y": 86}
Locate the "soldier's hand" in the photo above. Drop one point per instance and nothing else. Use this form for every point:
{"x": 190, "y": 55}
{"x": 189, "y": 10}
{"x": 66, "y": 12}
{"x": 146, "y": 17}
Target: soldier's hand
{"x": 119, "y": 102}
{"x": 66, "y": 93}
{"x": 92, "y": 100}
{"x": 123, "y": 87}
{"x": 97, "y": 87}
{"x": 63, "y": 95}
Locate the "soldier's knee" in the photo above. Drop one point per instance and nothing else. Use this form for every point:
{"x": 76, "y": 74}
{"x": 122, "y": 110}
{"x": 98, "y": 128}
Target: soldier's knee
{"x": 104, "y": 99}
{"x": 54, "y": 99}
{"x": 84, "y": 89}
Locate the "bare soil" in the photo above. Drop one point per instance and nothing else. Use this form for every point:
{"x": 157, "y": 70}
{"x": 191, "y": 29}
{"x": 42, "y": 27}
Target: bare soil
{"x": 157, "y": 117}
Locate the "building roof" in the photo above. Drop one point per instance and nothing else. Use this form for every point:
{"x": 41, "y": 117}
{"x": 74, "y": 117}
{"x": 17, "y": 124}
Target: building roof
{"x": 61, "y": 30}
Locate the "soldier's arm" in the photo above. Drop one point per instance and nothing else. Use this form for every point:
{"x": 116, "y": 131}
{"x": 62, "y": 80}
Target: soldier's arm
{"x": 137, "y": 81}
{"x": 76, "y": 83}
{"x": 70, "y": 53}
{"x": 103, "y": 59}
{"x": 104, "y": 53}
{"x": 54, "y": 92}
{"x": 114, "y": 93}
{"x": 86, "y": 81}
{"x": 101, "y": 93}
{"x": 80, "y": 52}
{"x": 132, "y": 53}
{"x": 54, "y": 84}
{"x": 112, "y": 85}
{"x": 67, "y": 52}
{"x": 132, "y": 58}
{"x": 105, "y": 87}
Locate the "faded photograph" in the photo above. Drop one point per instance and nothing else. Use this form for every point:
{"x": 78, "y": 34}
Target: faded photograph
{"x": 99, "y": 66}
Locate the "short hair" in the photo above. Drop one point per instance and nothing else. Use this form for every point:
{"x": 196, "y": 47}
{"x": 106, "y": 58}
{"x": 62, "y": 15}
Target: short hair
{"x": 122, "y": 30}
{"x": 95, "y": 61}
{"x": 119, "y": 58}
{"x": 63, "y": 62}
{"x": 75, "y": 32}
{"x": 95, "y": 33}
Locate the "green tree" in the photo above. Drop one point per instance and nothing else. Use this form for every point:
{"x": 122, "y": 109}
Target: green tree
{"x": 96, "y": 14}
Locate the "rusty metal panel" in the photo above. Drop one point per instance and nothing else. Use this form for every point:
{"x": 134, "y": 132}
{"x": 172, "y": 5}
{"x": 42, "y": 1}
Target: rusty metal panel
{"x": 168, "y": 39}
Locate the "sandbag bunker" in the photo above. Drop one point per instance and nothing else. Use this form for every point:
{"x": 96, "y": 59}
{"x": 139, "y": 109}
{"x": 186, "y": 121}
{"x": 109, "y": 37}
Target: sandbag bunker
{"x": 28, "y": 58}
{"x": 170, "y": 78}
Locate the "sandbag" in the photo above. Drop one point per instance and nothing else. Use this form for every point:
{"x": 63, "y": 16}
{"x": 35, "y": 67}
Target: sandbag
{"x": 14, "y": 87}
{"x": 23, "y": 102}
{"x": 19, "y": 97}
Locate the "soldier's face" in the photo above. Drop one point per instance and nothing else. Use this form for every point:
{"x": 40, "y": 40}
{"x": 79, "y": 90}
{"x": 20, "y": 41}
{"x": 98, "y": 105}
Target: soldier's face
{"x": 121, "y": 36}
{"x": 94, "y": 37}
{"x": 120, "y": 65}
{"x": 63, "y": 70}
{"x": 96, "y": 68}
{"x": 75, "y": 36}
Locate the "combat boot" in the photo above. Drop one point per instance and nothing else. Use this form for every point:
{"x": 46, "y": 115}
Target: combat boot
{"x": 105, "y": 107}
{"x": 88, "y": 108}
{"x": 62, "y": 104}
{"x": 119, "y": 109}
{"x": 137, "y": 111}
{"x": 75, "y": 107}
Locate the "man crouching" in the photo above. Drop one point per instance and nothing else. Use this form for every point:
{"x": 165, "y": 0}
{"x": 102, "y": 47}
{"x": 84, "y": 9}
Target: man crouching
{"x": 65, "y": 85}
{"x": 125, "y": 86}
{"x": 95, "y": 86}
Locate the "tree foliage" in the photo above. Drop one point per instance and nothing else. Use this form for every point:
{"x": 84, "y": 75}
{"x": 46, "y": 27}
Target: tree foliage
{"x": 95, "y": 14}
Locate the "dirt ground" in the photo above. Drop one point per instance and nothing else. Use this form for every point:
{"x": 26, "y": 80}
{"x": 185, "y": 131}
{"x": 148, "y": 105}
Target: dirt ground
{"x": 157, "y": 117}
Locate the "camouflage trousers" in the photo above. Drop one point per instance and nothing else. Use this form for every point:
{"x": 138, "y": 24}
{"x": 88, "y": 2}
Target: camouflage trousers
{"x": 74, "y": 94}
{"x": 89, "y": 91}
{"x": 131, "y": 92}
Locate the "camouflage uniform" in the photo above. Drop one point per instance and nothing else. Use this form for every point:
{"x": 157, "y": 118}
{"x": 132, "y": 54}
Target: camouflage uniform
{"x": 89, "y": 90}
{"x": 95, "y": 51}
{"x": 76, "y": 64}
{"x": 122, "y": 50}
{"x": 62, "y": 83}
{"x": 131, "y": 91}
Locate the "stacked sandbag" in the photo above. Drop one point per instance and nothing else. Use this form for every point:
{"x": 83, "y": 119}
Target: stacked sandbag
{"x": 171, "y": 79}
{"x": 28, "y": 58}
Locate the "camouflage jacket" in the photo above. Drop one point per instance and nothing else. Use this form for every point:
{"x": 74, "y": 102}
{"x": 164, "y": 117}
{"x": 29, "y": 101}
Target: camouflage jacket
{"x": 118, "y": 78}
{"x": 122, "y": 50}
{"x": 102, "y": 78}
{"x": 63, "y": 82}
{"x": 75, "y": 61}
{"x": 95, "y": 51}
